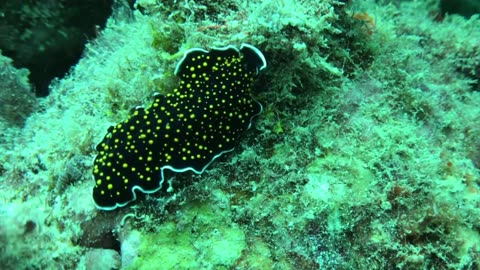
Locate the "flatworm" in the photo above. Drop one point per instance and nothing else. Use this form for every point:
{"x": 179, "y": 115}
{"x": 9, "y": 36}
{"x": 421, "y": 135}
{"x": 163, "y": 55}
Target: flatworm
{"x": 185, "y": 130}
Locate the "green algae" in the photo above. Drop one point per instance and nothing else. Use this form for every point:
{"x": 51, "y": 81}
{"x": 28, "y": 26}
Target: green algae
{"x": 203, "y": 239}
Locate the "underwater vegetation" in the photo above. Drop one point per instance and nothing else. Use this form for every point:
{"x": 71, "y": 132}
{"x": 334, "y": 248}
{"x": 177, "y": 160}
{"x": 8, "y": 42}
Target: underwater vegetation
{"x": 48, "y": 37}
{"x": 366, "y": 154}
{"x": 17, "y": 100}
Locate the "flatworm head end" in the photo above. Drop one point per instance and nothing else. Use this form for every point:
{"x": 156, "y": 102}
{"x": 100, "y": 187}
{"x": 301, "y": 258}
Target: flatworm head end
{"x": 184, "y": 130}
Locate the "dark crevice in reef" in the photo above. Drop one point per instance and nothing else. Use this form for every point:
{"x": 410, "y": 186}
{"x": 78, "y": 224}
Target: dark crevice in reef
{"x": 466, "y": 8}
{"x": 48, "y": 37}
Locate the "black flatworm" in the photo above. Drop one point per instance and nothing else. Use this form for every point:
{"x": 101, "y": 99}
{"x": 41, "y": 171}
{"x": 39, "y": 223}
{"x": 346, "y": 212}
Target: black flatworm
{"x": 184, "y": 130}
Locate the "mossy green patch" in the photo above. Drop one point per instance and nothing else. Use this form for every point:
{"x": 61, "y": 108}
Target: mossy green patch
{"x": 200, "y": 238}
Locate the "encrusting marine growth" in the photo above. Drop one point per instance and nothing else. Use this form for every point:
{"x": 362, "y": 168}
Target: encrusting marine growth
{"x": 184, "y": 130}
